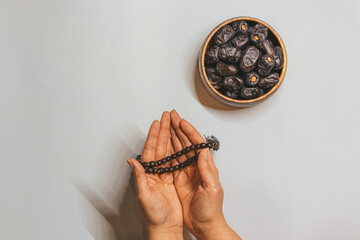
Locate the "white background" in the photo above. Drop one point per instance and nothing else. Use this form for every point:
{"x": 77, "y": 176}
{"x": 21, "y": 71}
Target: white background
{"x": 81, "y": 81}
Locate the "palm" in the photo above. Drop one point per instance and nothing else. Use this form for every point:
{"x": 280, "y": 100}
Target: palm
{"x": 158, "y": 197}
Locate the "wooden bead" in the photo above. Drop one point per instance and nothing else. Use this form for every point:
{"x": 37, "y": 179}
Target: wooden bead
{"x": 167, "y": 169}
{"x": 209, "y": 145}
{"x": 152, "y": 164}
{"x": 168, "y": 159}
{"x": 187, "y": 149}
{"x": 197, "y": 146}
{"x": 176, "y": 167}
{"x": 192, "y": 147}
{"x": 171, "y": 169}
{"x": 181, "y": 165}
{"x": 203, "y": 145}
{"x": 178, "y": 154}
{"x": 173, "y": 156}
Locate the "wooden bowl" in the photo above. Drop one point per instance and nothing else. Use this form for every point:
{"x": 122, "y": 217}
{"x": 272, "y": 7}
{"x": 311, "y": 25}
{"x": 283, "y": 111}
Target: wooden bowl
{"x": 230, "y": 101}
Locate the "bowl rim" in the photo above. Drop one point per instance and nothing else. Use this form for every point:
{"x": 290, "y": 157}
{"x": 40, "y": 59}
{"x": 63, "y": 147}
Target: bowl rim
{"x": 202, "y": 61}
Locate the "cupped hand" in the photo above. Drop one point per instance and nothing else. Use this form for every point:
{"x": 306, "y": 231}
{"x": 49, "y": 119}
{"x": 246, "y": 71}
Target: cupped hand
{"x": 198, "y": 186}
{"x": 157, "y": 195}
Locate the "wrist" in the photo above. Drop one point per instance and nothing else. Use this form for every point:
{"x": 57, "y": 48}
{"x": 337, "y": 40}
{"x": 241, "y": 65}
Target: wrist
{"x": 158, "y": 232}
{"x": 211, "y": 230}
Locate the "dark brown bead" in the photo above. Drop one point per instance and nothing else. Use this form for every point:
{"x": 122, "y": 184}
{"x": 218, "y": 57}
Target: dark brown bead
{"x": 168, "y": 159}
{"x": 176, "y": 167}
{"x": 203, "y": 145}
{"x": 190, "y": 160}
{"x": 186, "y": 163}
{"x": 152, "y": 164}
{"x": 197, "y": 146}
{"x": 183, "y": 151}
{"x": 209, "y": 145}
{"x": 187, "y": 149}
{"x": 154, "y": 170}
{"x": 147, "y": 170}
{"x": 178, "y": 154}
{"x": 159, "y": 162}
{"x": 171, "y": 169}
{"x": 145, "y": 164}
{"x": 182, "y": 165}
{"x": 167, "y": 169}
{"x": 173, "y": 156}
{"x": 161, "y": 171}
{"x": 192, "y": 147}
{"x": 150, "y": 170}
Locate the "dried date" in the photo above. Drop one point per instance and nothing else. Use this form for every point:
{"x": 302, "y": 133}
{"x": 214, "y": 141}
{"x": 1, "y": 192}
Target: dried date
{"x": 279, "y": 60}
{"x": 250, "y": 58}
{"x": 248, "y": 93}
{"x": 212, "y": 55}
{"x": 224, "y": 69}
{"x": 224, "y": 35}
{"x": 266, "y": 63}
{"x": 240, "y": 26}
{"x": 240, "y": 41}
{"x": 230, "y": 54}
{"x": 258, "y": 33}
{"x": 269, "y": 82}
{"x": 233, "y": 83}
{"x": 252, "y": 79}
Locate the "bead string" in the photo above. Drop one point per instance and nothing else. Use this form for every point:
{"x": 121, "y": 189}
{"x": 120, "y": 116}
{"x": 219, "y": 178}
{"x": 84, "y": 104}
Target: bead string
{"x": 211, "y": 143}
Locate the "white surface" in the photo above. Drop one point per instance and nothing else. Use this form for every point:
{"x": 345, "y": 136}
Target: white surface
{"x": 77, "y": 78}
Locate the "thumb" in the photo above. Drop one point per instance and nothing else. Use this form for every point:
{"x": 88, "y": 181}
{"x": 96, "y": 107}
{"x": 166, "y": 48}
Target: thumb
{"x": 207, "y": 169}
{"x": 141, "y": 181}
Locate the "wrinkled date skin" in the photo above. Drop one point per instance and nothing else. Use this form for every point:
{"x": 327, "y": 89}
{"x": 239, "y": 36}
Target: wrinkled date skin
{"x": 240, "y": 27}
{"x": 250, "y": 58}
{"x": 252, "y": 79}
{"x": 243, "y": 60}
{"x": 267, "y": 46}
{"x": 266, "y": 63}
{"x": 279, "y": 61}
{"x": 230, "y": 54}
{"x": 233, "y": 83}
{"x": 212, "y": 55}
{"x": 224, "y": 69}
{"x": 269, "y": 82}
{"x": 224, "y": 35}
{"x": 258, "y": 33}
{"x": 249, "y": 93}
{"x": 232, "y": 94}
{"x": 240, "y": 41}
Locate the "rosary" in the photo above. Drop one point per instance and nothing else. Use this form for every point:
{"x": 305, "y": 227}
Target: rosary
{"x": 150, "y": 167}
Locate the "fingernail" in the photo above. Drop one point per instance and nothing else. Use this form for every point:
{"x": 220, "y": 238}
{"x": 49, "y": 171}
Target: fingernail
{"x": 130, "y": 163}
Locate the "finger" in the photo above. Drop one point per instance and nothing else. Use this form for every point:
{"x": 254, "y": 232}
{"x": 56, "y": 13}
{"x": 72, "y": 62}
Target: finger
{"x": 175, "y": 121}
{"x": 209, "y": 176}
{"x": 139, "y": 174}
{"x": 149, "y": 150}
{"x": 164, "y": 136}
{"x": 194, "y": 137}
{"x": 177, "y": 147}
{"x": 185, "y": 142}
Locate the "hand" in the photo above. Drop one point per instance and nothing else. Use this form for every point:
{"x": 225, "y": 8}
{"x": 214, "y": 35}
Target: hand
{"x": 157, "y": 196}
{"x": 198, "y": 187}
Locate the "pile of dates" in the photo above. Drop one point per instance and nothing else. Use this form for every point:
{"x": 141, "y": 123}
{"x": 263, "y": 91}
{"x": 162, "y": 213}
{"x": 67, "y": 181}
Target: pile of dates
{"x": 242, "y": 62}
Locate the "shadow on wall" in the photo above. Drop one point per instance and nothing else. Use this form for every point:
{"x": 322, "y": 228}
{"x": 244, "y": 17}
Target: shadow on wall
{"x": 113, "y": 212}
